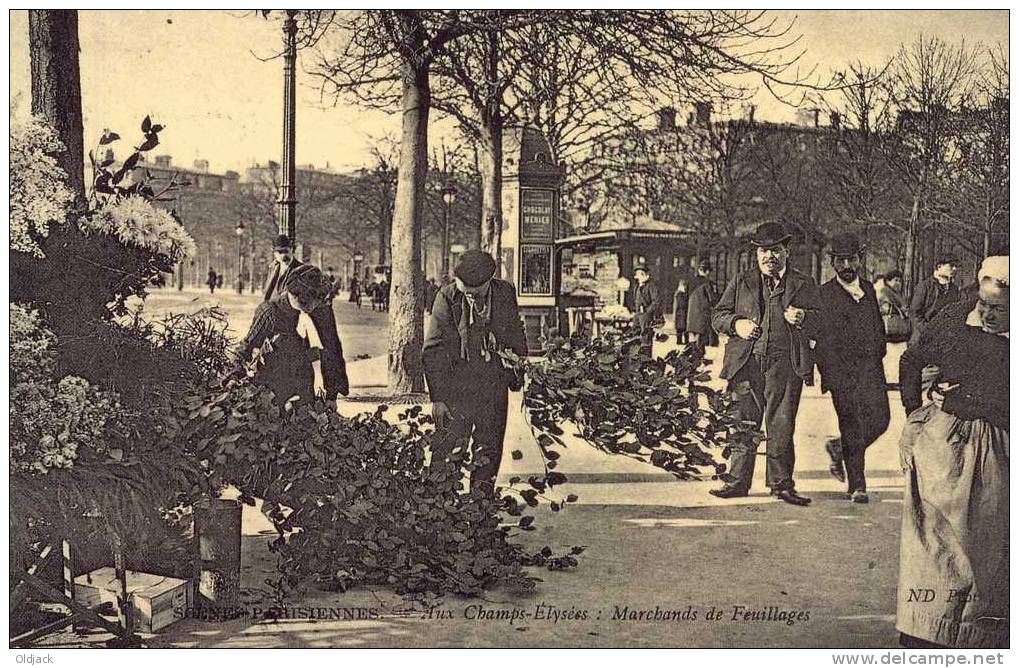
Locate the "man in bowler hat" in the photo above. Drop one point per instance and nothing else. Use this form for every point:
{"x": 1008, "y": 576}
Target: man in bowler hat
{"x": 850, "y": 350}
{"x": 472, "y": 319}
{"x": 284, "y": 262}
{"x": 767, "y": 312}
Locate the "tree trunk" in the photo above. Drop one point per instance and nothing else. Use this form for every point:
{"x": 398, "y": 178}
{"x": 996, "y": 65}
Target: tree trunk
{"x": 988, "y": 225}
{"x": 476, "y": 238}
{"x": 491, "y": 183}
{"x": 385, "y": 226}
{"x": 406, "y": 327}
{"x": 491, "y": 154}
{"x": 56, "y": 86}
{"x": 909, "y": 275}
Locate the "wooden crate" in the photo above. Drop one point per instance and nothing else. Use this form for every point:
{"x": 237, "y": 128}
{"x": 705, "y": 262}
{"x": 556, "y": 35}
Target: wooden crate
{"x": 157, "y": 601}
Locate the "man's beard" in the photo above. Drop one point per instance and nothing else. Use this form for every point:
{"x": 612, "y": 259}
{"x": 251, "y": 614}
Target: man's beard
{"x": 847, "y": 275}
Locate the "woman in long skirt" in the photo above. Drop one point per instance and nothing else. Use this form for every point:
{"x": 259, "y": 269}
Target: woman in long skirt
{"x": 953, "y": 567}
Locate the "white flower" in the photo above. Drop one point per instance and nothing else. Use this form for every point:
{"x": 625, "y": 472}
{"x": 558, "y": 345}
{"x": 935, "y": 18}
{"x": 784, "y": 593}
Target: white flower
{"x": 39, "y": 192}
{"x": 136, "y": 221}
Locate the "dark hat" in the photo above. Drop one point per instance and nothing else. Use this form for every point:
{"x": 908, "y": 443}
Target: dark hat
{"x": 641, "y": 267}
{"x": 306, "y": 280}
{"x": 282, "y": 242}
{"x": 474, "y": 268}
{"x": 770, "y": 234}
{"x": 704, "y": 265}
{"x": 845, "y": 245}
{"x": 946, "y": 257}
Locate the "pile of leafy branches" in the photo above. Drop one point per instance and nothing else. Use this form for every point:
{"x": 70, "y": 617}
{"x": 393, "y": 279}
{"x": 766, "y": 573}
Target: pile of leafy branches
{"x": 354, "y": 500}
{"x": 655, "y": 410}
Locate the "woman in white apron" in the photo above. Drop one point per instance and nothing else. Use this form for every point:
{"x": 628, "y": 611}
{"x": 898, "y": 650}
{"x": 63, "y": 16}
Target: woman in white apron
{"x": 953, "y": 567}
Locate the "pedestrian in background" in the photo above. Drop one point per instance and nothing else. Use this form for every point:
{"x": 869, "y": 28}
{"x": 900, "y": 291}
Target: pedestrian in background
{"x": 212, "y": 281}
{"x": 679, "y": 305}
{"x": 284, "y": 261}
{"x": 850, "y": 350}
{"x": 647, "y": 309}
{"x": 769, "y": 313}
{"x": 355, "y": 291}
{"x": 894, "y": 309}
{"x": 934, "y": 294}
{"x": 702, "y": 298}
{"x": 431, "y": 289}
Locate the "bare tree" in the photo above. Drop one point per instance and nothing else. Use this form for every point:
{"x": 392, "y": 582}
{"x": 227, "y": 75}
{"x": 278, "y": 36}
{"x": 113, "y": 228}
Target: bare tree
{"x": 978, "y": 216}
{"x": 863, "y": 187}
{"x": 379, "y": 57}
{"x": 584, "y": 75}
{"x": 930, "y": 82}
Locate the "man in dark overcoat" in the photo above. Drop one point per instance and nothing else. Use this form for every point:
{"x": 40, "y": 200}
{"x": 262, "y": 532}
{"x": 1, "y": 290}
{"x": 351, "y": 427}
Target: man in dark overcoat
{"x": 647, "y": 309}
{"x": 933, "y": 294}
{"x": 472, "y": 319}
{"x": 284, "y": 261}
{"x": 767, "y": 312}
{"x": 699, "y": 304}
{"x": 334, "y": 367}
{"x": 850, "y": 350}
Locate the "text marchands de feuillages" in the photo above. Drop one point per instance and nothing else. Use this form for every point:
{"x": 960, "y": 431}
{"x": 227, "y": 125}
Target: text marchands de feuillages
{"x": 554, "y": 614}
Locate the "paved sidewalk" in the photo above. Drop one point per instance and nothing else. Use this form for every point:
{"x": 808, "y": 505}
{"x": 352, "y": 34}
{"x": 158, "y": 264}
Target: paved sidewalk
{"x": 775, "y": 575}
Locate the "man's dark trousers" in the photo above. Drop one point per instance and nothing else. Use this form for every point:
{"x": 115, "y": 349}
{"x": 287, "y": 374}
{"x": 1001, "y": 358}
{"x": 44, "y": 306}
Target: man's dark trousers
{"x": 863, "y": 416}
{"x": 480, "y": 419}
{"x": 774, "y": 395}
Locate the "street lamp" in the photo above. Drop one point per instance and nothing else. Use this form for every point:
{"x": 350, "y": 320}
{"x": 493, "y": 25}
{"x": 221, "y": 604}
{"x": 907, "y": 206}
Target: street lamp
{"x": 239, "y": 231}
{"x": 448, "y": 190}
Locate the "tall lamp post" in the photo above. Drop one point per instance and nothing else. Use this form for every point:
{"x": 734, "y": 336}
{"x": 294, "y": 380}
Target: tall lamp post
{"x": 448, "y": 190}
{"x": 251, "y": 262}
{"x": 288, "y": 197}
{"x": 239, "y": 231}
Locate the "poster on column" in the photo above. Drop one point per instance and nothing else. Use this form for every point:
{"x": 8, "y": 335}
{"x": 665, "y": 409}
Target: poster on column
{"x": 535, "y": 269}
{"x": 537, "y": 215}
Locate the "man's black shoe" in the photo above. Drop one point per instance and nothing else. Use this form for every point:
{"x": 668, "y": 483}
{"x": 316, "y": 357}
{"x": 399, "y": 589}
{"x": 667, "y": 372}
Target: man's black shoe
{"x": 790, "y": 496}
{"x": 727, "y": 492}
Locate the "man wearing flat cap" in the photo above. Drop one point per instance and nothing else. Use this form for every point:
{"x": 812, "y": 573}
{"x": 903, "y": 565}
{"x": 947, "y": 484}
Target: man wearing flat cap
{"x": 850, "y": 350}
{"x": 767, "y": 313}
{"x": 934, "y": 294}
{"x": 472, "y": 319}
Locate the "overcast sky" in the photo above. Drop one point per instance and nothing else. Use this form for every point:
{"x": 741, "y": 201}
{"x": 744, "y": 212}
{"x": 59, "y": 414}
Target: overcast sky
{"x": 199, "y": 74}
